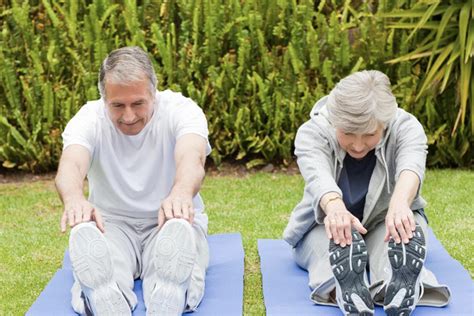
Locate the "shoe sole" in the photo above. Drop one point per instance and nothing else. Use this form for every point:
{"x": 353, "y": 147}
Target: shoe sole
{"x": 348, "y": 266}
{"x": 173, "y": 261}
{"x": 407, "y": 261}
{"x": 92, "y": 265}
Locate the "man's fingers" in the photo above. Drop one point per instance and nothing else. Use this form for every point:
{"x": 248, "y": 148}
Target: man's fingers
{"x": 186, "y": 209}
{"x": 177, "y": 209}
{"x": 64, "y": 222}
{"x": 191, "y": 214}
{"x": 167, "y": 210}
{"x": 98, "y": 220}
{"x": 78, "y": 215}
{"x": 70, "y": 216}
{"x": 87, "y": 213}
{"x": 161, "y": 218}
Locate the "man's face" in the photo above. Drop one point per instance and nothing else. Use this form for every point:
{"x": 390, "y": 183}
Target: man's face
{"x": 130, "y": 106}
{"x": 359, "y": 145}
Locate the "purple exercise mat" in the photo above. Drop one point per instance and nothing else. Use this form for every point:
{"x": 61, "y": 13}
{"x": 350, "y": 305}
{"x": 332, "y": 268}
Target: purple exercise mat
{"x": 223, "y": 293}
{"x": 286, "y": 290}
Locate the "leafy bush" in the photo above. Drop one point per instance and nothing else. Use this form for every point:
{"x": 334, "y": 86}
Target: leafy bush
{"x": 447, "y": 40}
{"x": 255, "y": 67}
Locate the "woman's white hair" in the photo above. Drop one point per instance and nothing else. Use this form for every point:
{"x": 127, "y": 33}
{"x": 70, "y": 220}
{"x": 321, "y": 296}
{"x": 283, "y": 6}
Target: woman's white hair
{"x": 362, "y": 101}
{"x": 127, "y": 65}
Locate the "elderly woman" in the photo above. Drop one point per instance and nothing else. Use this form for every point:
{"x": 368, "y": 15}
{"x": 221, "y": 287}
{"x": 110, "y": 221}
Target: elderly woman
{"x": 363, "y": 162}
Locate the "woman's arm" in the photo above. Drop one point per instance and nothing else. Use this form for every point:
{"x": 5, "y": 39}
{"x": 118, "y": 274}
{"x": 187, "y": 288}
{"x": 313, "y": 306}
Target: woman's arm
{"x": 400, "y": 221}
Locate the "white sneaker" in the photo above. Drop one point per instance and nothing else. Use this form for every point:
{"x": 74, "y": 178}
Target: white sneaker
{"x": 175, "y": 252}
{"x": 92, "y": 266}
{"x": 349, "y": 267}
{"x": 404, "y": 289}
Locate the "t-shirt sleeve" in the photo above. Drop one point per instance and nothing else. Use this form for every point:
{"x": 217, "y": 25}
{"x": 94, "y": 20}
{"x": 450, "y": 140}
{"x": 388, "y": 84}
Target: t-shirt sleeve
{"x": 188, "y": 118}
{"x": 81, "y": 129}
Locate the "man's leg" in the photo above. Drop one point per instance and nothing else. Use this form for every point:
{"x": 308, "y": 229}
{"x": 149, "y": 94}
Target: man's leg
{"x": 103, "y": 266}
{"x": 175, "y": 260}
{"x": 196, "y": 287}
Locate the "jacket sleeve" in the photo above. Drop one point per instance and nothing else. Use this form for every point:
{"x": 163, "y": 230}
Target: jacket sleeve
{"x": 315, "y": 160}
{"x": 411, "y": 148}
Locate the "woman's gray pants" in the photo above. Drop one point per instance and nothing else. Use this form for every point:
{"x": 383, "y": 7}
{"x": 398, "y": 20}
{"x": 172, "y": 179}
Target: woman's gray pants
{"x": 312, "y": 254}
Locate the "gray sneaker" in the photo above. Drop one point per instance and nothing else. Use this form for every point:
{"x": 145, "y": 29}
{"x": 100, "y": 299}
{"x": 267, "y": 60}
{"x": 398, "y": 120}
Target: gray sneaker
{"x": 92, "y": 266}
{"x": 175, "y": 252}
{"x": 349, "y": 268}
{"x": 404, "y": 288}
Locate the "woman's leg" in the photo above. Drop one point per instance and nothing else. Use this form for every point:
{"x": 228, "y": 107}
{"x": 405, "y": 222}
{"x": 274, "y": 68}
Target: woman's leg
{"x": 433, "y": 294}
{"x": 312, "y": 254}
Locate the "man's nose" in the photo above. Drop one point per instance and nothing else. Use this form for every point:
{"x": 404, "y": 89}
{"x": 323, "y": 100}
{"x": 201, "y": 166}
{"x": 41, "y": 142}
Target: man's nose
{"x": 128, "y": 115}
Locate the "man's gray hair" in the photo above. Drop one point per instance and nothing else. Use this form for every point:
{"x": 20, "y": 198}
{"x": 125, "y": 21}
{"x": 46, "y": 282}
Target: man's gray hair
{"x": 127, "y": 65}
{"x": 362, "y": 101}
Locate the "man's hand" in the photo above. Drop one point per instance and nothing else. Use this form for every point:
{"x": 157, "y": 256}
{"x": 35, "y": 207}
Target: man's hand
{"x": 176, "y": 206}
{"x": 399, "y": 222}
{"x": 72, "y": 170}
{"x": 339, "y": 222}
{"x": 79, "y": 210}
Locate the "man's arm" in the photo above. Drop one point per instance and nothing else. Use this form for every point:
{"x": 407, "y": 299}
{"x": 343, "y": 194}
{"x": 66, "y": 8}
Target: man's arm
{"x": 190, "y": 157}
{"x": 72, "y": 171}
{"x": 400, "y": 221}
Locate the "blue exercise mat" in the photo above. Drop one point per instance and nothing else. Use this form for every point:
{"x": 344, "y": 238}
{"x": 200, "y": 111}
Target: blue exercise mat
{"x": 286, "y": 290}
{"x": 224, "y": 283}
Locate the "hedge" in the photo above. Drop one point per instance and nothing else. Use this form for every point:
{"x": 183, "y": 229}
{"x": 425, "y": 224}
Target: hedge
{"x": 255, "y": 67}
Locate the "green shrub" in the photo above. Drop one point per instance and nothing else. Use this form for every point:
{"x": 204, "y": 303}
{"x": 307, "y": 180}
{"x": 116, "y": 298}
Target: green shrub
{"x": 255, "y": 67}
{"x": 445, "y": 32}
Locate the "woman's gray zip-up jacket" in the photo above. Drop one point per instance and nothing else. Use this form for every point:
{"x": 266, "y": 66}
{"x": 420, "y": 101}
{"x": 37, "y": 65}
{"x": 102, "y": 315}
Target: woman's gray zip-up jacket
{"x": 320, "y": 160}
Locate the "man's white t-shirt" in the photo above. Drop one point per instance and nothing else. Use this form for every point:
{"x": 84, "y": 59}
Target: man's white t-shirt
{"x": 131, "y": 175}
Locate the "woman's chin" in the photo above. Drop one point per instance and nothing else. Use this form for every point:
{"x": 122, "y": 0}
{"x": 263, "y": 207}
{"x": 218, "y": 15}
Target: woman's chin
{"x": 357, "y": 155}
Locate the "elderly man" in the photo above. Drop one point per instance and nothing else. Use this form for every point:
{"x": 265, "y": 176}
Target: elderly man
{"x": 143, "y": 152}
{"x": 363, "y": 162}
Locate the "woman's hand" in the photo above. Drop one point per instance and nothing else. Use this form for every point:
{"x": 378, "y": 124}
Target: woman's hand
{"x": 339, "y": 222}
{"x": 399, "y": 222}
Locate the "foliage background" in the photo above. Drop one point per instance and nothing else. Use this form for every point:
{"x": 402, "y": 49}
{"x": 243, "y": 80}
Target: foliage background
{"x": 255, "y": 67}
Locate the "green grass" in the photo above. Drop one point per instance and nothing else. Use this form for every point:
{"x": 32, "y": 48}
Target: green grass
{"x": 257, "y": 206}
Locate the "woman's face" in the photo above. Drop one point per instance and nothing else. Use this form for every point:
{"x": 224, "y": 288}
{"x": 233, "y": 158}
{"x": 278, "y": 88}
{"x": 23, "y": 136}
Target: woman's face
{"x": 359, "y": 145}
